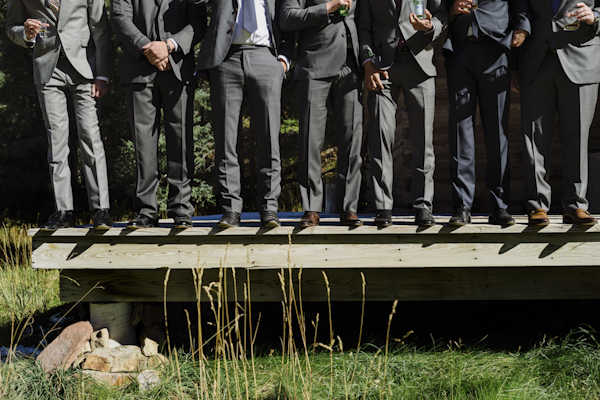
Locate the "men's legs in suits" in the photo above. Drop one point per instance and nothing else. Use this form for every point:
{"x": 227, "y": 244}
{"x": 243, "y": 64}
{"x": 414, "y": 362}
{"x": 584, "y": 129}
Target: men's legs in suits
{"x": 143, "y": 106}
{"x": 177, "y": 99}
{"x": 346, "y": 98}
{"x": 92, "y": 148}
{"x": 53, "y": 102}
{"x": 538, "y": 111}
{"x": 381, "y": 137}
{"x": 419, "y": 95}
{"x": 226, "y": 96}
{"x": 263, "y": 81}
{"x": 576, "y": 105}
{"x": 312, "y": 119}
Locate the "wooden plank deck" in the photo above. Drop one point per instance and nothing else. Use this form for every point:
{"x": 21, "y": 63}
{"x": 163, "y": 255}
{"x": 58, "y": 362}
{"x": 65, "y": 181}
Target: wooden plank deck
{"x": 477, "y": 261}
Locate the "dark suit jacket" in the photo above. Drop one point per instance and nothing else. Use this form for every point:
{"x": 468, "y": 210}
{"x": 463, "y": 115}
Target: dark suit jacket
{"x": 219, "y": 36}
{"x": 322, "y": 41}
{"x": 139, "y": 22}
{"x": 578, "y": 51}
{"x": 82, "y": 31}
{"x": 495, "y": 18}
{"x": 379, "y": 27}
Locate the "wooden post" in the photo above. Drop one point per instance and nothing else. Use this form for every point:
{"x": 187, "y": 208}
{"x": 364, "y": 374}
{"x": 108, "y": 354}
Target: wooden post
{"x": 116, "y": 318}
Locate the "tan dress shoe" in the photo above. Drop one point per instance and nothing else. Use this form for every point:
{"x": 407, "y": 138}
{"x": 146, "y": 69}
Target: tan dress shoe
{"x": 538, "y": 217}
{"x": 310, "y": 218}
{"x": 579, "y": 217}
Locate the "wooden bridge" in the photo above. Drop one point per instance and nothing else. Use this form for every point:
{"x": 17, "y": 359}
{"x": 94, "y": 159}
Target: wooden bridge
{"x": 404, "y": 262}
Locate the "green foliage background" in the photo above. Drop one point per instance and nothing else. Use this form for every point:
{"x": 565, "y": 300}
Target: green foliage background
{"x": 25, "y": 189}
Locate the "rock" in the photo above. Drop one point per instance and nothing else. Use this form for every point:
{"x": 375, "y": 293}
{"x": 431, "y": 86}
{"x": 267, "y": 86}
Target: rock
{"x": 152, "y": 315}
{"x": 65, "y": 348}
{"x": 85, "y": 352}
{"x": 110, "y": 378}
{"x": 100, "y": 360}
{"x": 113, "y": 343}
{"x": 129, "y": 358}
{"x": 149, "y": 347}
{"x": 87, "y": 348}
{"x": 99, "y": 339}
{"x": 151, "y": 339}
{"x": 148, "y": 379}
{"x": 157, "y": 361}
{"x": 136, "y": 314}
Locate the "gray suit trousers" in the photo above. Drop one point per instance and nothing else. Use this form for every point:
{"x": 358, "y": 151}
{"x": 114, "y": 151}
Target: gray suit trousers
{"x": 419, "y": 94}
{"x": 481, "y": 71}
{"x": 344, "y": 93}
{"x": 550, "y": 92}
{"x": 252, "y": 72}
{"x": 144, "y": 103}
{"x": 66, "y": 81}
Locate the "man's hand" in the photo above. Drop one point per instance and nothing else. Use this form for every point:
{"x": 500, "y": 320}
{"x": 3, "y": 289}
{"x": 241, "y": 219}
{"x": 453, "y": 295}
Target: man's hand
{"x": 514, "y": 81}
{"x": 32, "y": 28}
{"x": 99, "y": 88}
{"x": 424, "y": 24}
{"x": 155, "y": 52}
{"x": 518, "y": 37}
{"x": 283, "y": 63}
{"x": 373, "y": 76}
{"x": 334, "y": 5}
{"x": 163, "y": 65}
{"x": 460, "y": 7}
{"x": 583, "y": 14}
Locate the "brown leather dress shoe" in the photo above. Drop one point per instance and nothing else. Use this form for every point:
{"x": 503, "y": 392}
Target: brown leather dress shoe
{"x": 579, "y": 217}
{"x": 349, "y": 218}
{"x": 310, "y": 218}
{"x": 538, "y": 217}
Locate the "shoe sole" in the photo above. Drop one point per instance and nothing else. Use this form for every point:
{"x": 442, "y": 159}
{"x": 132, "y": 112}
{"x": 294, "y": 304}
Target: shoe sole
{"x": 271, "y": 225}
{"x": 223, "y": 225}
{"x": 456, "y": 223}
{"x": 426, "y": 225}
{"x": 307, "y": 224}
{"x": 102, "y": 227}
{"x": 182, "y": 226}
{"x": 383, "y": 224}
{"x": 351, "y": 223}
{"x": 494, "y": 222}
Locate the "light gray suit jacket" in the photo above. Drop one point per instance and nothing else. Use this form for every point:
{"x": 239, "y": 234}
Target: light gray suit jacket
{"x": 219, "y": 36}
{"x": 379, "y": 27}
{"x": 322, "y": 42}
{"x": 578, "y": 51}
{"x": 82, "y": 31}
{"x": 139, "y": 22}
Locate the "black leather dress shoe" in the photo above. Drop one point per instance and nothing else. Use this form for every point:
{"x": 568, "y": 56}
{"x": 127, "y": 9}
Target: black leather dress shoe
{"x": 310, "y": 218}
{"x": 142, "y": 221}
{"x": 230, "y": 219}
{"x": 499, "y": 216}
{"x": 60, "y": 219}
{"x": 462, "y": 216}
{"x": 383, "y": 218}
{"x": 182, "y": 221}
{"x": 102, "y": 219}
{"x": 269, "y": 219}
{"x": 423, "y": 217}
{"x": 349, "y": 218}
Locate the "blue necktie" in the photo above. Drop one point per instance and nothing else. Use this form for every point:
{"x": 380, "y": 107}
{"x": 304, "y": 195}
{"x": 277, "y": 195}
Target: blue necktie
{"x": 249, "y": 17}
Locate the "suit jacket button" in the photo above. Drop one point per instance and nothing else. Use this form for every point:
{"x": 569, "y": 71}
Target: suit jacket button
{"x": 343, "y": 35}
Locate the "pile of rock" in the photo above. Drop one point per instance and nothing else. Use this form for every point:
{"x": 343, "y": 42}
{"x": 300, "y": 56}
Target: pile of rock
{"x": 103, "y": 358}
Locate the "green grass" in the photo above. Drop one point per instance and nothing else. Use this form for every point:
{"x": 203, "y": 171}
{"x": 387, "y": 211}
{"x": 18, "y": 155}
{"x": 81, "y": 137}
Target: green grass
{"x": 227, "y": 368}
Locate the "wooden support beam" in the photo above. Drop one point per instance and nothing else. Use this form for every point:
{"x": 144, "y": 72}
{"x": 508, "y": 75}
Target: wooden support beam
{"x": 346, "y": 284}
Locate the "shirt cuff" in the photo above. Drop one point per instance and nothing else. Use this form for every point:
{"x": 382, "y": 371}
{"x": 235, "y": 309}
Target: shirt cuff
{"x": 103, "y": 78}
{"x": 28, "y": 40}
{"x": 366, "y": 61}
{"x": 175, "y": 43}
{"x": 285, "y": 60}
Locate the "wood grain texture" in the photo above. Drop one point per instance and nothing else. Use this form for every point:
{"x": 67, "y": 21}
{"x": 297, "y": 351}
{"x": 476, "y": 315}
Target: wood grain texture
{"x": 346, "y": 285}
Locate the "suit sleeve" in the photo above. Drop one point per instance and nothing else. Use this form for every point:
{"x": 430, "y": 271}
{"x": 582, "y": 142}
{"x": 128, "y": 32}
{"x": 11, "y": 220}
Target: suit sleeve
{"x": 100, "y": 30}
{"x": 440, "y": 19}
{"x": 16, "y": 14}
{"x": 364, "y": 24}
{"x": 125, "y": 30}
{"x": 519, "y": 15}
{"x": 191, "y": 34}
{"x": 296, "y": 16}
{"x": 285, "y": 47}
